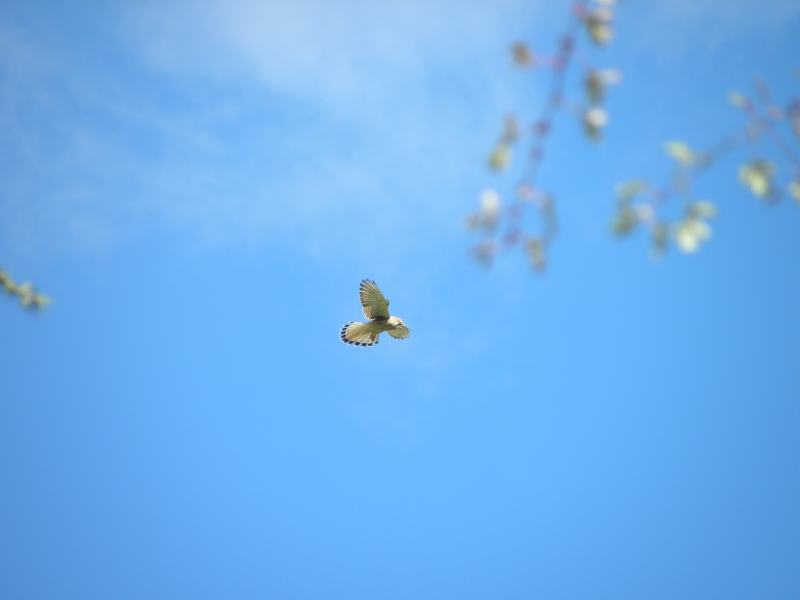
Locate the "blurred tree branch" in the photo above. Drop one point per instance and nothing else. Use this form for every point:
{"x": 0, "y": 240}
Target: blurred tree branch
{"x": 596, "y": 20}
{"x": 27, "y": 294}
{"x": 640, "y": 203}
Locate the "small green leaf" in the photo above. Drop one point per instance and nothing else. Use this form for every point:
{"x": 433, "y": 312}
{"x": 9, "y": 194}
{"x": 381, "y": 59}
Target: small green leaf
{"x": 10, "y": 287}
{"x": 702, "y": 209}
{"x": 690, "y": 234}
{"x": 500, "y": 157}
{"x": 794, "y": 190}
{"x": 624, "y": 222}
{"x": 739, "y": 100}
{"x": 40, "y": 301}
{"x": 25, "y": 293}
{"x": 681, "y": 152}
{"x": 5, "y": 281}
{"x": 629, "y": 190}
{"x": 685, "y": 240}
{"x": 659, "y": 239}
{"x": 595, "y": 90}
{"x": 598, "y": 25}
{"x": 522, "y": 55}
{"x": 597, "y": 81}
{"x": 536, "y": 254}
{"x": 757, "y": 176}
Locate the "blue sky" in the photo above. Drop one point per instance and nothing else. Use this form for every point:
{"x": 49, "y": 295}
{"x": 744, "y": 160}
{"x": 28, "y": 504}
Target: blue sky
{"x": 201, "y": 186}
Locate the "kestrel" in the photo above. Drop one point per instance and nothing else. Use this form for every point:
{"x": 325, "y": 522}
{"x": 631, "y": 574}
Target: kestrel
{"x": 376, "y": 309}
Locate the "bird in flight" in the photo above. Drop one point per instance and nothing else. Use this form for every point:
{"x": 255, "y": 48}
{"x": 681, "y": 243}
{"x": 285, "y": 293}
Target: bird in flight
{"x": 376, "y": 309}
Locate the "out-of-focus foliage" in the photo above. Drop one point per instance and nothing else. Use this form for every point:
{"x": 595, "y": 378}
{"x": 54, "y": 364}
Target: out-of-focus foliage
{"x": 527, "y": 218}
{"x": 641, "y": 203}
{"x": 681, "y": 152}
{"x": 599, "y": 23}
{"x": 794, "y": 190}
{"x": 694, "y": 229}
{"x": 739, "y": 100}
{"x": 594, "y": 119}
{"x": 757, "y": 175}
{"x": 536, "y": 253}
{"x": 487, "y": 216}
{"x": 669, "y": 212}
{"x": 523, "y": 57}
{"x": 596, "y": 83}
{"x": 500, "y": 157}
{"x": 637, "y": 205}
{"x": 25, "y": 292}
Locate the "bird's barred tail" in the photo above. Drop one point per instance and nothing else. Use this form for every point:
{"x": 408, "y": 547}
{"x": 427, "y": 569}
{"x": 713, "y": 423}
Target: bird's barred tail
{"x": 358, "y": 334}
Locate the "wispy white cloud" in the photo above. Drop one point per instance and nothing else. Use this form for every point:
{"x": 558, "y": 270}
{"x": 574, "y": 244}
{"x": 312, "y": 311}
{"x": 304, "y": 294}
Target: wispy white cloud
{"x": 402, "y": 89}
{"x": 345, "y": 54}
{"x": 396, "y": 96}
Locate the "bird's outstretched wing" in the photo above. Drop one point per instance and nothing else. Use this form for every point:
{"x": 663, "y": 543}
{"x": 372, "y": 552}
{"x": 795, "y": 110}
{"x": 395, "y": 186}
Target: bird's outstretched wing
{"x": 375, "y": 304}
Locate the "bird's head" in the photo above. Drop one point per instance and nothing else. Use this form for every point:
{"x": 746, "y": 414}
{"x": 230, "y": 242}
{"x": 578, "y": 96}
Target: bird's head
{"x": 399, "y": 328}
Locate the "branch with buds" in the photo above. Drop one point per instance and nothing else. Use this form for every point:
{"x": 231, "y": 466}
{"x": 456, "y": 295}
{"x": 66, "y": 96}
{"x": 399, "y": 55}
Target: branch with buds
{"x": 27, "y": 295}
{"x": 640, "y": 203}
{"x": 509, "y": 224}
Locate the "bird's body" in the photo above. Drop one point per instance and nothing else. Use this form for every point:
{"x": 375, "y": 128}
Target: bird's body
{"x": 376, "y": 309}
